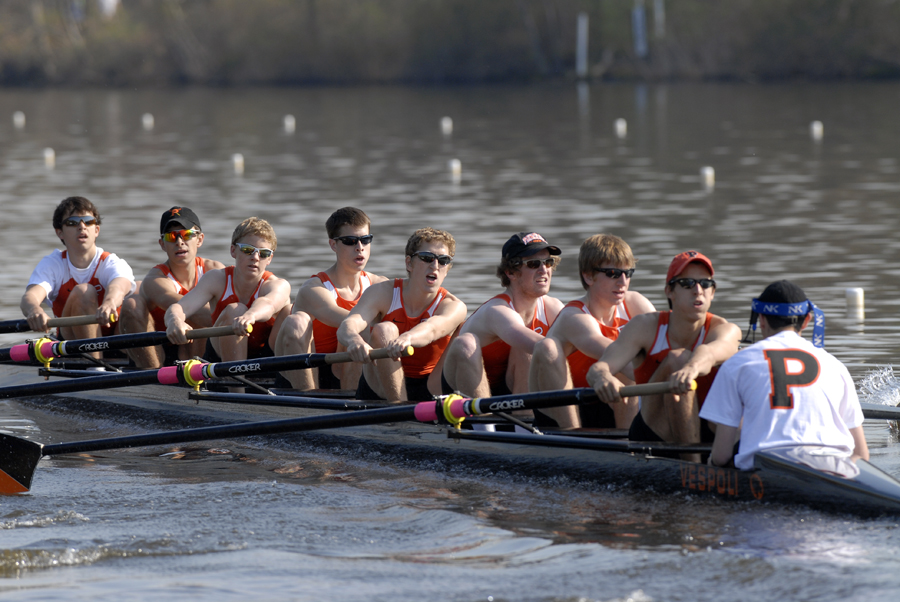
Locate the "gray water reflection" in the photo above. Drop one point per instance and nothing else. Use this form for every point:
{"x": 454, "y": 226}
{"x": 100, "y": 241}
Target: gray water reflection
{"x": 545, "y": 158}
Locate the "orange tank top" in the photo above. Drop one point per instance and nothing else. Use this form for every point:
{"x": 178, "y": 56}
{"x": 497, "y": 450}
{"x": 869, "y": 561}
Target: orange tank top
{"x": 496, "y": 354}
{"x": 424, "y": 360}
{"x": 579, "y": 363}
{"x": 261, "y": 330}
{"x": 324, "y": 335}
{"x": 158, "y": 313}
{"x": 660, "y": 349}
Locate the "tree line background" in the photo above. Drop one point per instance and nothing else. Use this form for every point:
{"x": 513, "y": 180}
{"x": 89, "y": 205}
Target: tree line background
{"x": 287, "y": 42}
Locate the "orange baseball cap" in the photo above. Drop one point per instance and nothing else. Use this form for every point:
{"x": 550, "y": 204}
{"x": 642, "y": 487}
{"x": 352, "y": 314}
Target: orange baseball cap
{"x": 682, "y": 260}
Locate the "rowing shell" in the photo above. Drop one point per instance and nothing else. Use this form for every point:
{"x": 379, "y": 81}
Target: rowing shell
{"x": 784, "y": 475}
{"x": 778, "y": 477}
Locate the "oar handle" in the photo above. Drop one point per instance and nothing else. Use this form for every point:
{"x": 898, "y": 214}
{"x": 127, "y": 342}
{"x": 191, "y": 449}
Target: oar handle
{"x": 650, "y": 389}
{"x": 72, "y": 321}
{"x": 208, "y": 333}
{"x": 375, "y": 354}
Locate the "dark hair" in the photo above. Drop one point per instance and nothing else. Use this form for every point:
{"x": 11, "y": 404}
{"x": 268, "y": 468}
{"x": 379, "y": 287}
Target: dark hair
{"x": 69, "y": 207}
{"x": 784, "y": 291}
{"x": 346, "y": 216}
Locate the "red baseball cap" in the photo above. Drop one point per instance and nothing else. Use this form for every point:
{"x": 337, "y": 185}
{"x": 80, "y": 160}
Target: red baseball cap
{"x": 682, "y": 260}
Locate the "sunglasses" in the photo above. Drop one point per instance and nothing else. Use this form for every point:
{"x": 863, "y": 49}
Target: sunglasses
{"x": 614, "y": 273}
{"x": 352, "y": 241}
{"x": 185, "y": 235}
{"x": 690, "y": 283}
{"x": 72, "y": 222}
{"x": 428, "y": 257}
{"x": 250, "y": 250}
{"x": 533, "y": 264}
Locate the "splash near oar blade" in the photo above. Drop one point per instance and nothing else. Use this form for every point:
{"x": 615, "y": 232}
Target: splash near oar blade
{"x": 20, "y": 458}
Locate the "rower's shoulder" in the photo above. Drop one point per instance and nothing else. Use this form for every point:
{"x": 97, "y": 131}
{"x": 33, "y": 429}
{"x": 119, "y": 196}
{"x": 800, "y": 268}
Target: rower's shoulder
{"x": 638, "y": 304}
{"x": 375, "y": 278}
{"x": 211, "y": 264}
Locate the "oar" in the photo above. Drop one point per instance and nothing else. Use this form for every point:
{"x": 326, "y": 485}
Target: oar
{"x": 191, "y": 373}
{"x": 22, "y": 324}
{"x": 19, "y": 457}
{"x": 877, "y": 411}
{"x": 44, "y": 350}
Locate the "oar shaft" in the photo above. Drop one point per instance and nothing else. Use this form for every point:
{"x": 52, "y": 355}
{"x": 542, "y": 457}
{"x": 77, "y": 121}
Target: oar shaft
{"x": 243, "y": 429}
{"x": 425, "y": 411}
{"x": 21, "y": 325}
{"x": 195, "y": 374}
{"x": 49, "y": 349}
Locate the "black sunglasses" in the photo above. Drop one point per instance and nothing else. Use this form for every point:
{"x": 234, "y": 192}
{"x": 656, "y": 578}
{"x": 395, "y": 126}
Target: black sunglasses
{"x": 73, "y": 221}
{"x": 533, "y": 264}
{"x": 428, "y": 257}
{"x": 690, "y": 283}
{"x": 614, "y": 273}
{"x": 352, "y": 241}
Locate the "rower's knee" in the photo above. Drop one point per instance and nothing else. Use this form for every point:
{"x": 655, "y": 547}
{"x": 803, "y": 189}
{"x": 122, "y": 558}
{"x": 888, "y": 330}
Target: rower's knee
{"x": 83, "y": 299}
{"x": 383, "y": 333}
{"x": 231, "y": 312}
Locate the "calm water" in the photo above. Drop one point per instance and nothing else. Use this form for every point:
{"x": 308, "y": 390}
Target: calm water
{"x": 308, "y": 523}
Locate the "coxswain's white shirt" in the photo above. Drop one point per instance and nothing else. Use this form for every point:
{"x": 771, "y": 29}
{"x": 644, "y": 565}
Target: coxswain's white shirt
{"x": 53, "y": 271}
{"x": 821, "y": 412}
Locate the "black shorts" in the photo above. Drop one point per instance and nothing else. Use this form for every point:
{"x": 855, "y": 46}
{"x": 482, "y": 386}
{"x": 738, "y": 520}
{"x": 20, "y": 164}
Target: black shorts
{"x": 639, "y": 431}
{"x": 327, "y": 379}
{"x": 416, "y": 390}
{"x": 496, "y": 389}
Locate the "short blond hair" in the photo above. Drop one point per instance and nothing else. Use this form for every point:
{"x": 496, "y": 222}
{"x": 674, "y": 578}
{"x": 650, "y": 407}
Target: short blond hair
{"x": 255, "y": 226}
{"x": 603, "y": 248}
{"x": 424, "y": 235}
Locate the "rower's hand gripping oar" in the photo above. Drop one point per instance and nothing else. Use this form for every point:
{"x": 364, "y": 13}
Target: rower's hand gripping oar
{"x": 19, "y": 457}
{"x": 44, "y": 350}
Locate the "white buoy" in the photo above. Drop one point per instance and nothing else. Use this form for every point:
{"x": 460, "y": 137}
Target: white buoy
{"x": 621, "y": 128}
{"x": 455, "y": 170}
{"x": 19, "y": 120}
{"x": 856, "y": 305}
{"x": 147, "y": 121}
{"x": 446, "y": 126}
{"x": 290, "y": 124}
{"x": 816, "y": 130}
{"x": 237, "y": 159}
{"x": 708, "y": 177}
{"x": 49, "y": 158}
{"x": 855, "y": 297}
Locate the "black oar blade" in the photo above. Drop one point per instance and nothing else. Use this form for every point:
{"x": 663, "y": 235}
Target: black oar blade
{"x": 18, "y": 460}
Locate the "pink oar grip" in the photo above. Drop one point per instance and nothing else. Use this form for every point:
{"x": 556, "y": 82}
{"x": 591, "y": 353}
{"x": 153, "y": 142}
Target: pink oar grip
{"x": 456, "y": 408}
{"x": 168, "y": 375}
{"x": 19, "y": 353}
{"x": 196, "y": 372}
{"x": 425, "y": 411}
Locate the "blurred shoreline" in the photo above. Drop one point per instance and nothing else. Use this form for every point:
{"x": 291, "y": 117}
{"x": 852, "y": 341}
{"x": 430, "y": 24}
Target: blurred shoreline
{"x": 315, "y": 42}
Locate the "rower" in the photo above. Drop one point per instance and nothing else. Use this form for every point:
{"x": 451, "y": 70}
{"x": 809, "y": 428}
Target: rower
{"x": 583, "y": 331}
{"x": 785, "y": 390}
{"x": 683, "y": 344}
{"x": 414, "y": 311}
{"x": 244, "y": 296}
{"x": 492, "y": 354}
{"x": 180, "y": 237}
{"x": 84, "y": 279}
{"x": 325, "y": 300}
